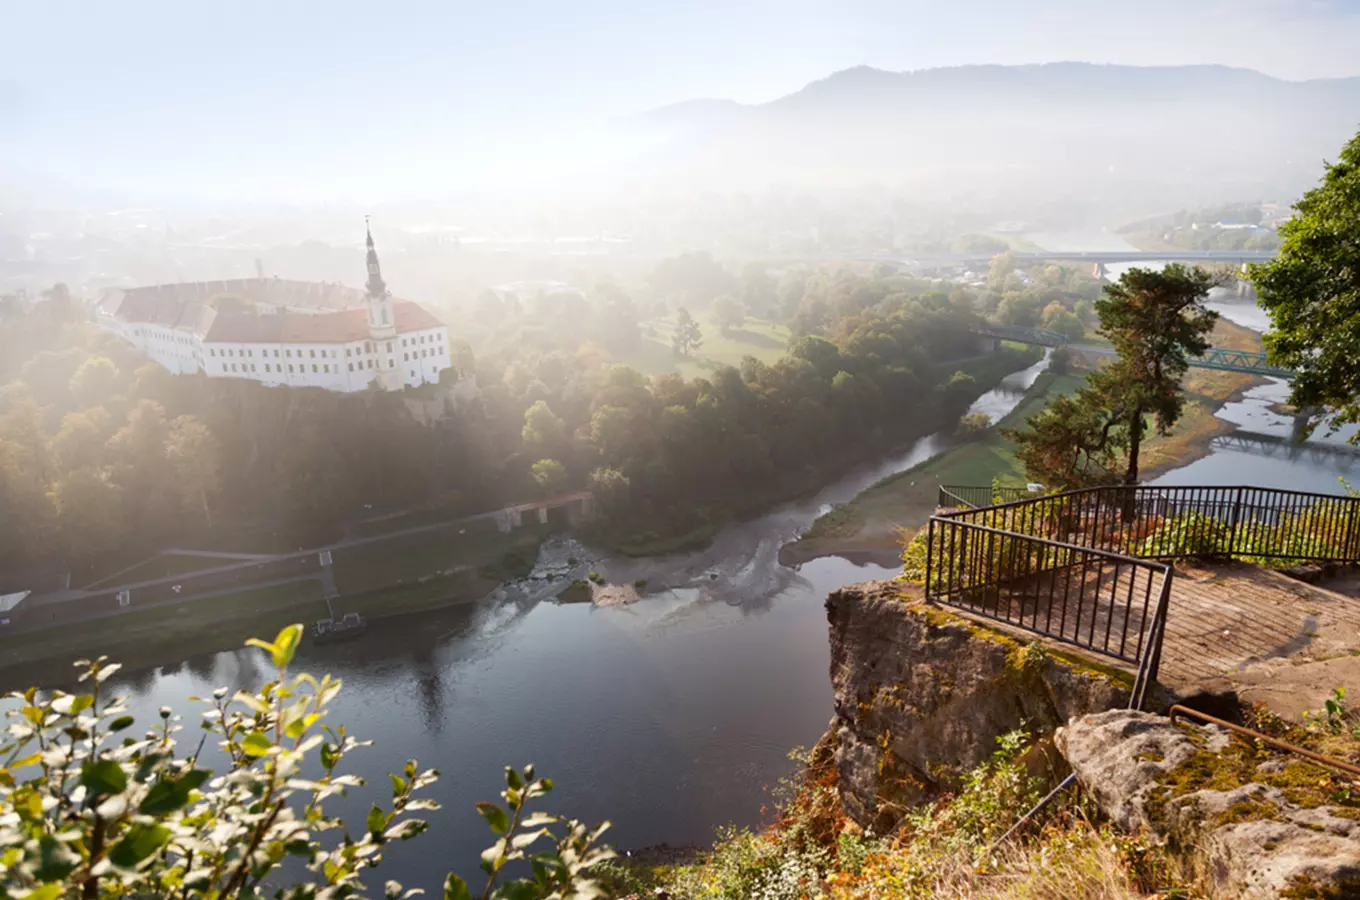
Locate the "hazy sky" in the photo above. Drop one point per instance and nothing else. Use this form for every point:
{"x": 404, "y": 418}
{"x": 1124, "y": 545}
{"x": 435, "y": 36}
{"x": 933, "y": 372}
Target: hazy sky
{"x": 305, "y": 99}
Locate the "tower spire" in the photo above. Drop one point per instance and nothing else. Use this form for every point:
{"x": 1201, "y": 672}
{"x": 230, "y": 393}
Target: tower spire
{"x": 376, "y": 286}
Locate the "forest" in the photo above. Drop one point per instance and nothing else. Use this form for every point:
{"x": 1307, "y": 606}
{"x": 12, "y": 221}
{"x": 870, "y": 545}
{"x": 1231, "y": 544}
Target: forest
{"x": 104, "y": 454}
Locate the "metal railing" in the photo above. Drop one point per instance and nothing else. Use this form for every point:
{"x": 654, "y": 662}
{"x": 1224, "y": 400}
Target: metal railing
{"x": 1156, "y": 522}
{"x": 1089, "y": 567}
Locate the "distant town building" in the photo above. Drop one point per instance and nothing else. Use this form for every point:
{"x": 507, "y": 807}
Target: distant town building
{"x": 277, "y": 332}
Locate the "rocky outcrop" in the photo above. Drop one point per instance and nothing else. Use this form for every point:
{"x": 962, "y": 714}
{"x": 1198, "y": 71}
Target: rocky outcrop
{"x": 921, "y": 695}
{"x": 1260, "y": 827}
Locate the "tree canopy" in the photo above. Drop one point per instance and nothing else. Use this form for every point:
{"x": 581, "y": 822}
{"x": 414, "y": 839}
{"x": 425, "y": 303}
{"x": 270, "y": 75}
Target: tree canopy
{"x": 1312, "y": 292}
{"x": 1156, "y": 321}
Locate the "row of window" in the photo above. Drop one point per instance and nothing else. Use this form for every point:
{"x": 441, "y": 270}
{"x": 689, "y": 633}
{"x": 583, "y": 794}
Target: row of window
{"x": 249, "y": 354}
{"x": 325, "y": 367}
{"x": 428, "y": 351}
{"x": 368, "y": 347}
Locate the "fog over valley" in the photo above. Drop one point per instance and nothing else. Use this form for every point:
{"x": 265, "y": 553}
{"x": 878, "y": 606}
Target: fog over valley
{"x": 854, "y": 451}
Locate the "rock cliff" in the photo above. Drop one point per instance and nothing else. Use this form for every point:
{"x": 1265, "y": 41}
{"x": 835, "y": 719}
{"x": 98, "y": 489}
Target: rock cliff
{"x": 1260, "y": 825}
{"x": 922, "y": 694}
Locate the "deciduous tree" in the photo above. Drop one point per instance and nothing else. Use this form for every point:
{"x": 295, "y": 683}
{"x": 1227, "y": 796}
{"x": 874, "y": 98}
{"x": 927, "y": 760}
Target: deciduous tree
{"x": 550, "y": 476}
{"x": 688, "y": 337}
{"x": 728, "y": 314}
{"x": 194, "y": 457}
{"x": 1312, "y": 292}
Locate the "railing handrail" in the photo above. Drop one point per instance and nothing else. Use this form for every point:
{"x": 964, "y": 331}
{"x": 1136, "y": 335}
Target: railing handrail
{"x": 1126, "y": 534}
{"x": 1148, "y": 487}
{"x": 1063, "y": 545}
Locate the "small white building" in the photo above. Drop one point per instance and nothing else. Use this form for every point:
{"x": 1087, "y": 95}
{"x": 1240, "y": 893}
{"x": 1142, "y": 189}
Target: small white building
{"x": 280, "y": 332}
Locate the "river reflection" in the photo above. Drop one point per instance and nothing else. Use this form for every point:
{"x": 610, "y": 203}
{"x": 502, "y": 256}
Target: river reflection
{"x": 668, "y": 716}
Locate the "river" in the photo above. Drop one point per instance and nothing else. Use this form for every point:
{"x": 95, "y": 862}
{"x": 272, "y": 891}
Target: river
{"x": 669, "y": 716}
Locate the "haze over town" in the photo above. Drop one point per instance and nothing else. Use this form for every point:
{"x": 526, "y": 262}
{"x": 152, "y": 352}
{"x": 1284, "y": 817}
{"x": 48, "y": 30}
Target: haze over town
{"x": 584, "y": 383}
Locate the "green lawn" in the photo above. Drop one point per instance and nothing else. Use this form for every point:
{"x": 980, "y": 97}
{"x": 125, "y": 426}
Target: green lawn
{"x": 384, "y": 563}
{"x": 764, "y": 340}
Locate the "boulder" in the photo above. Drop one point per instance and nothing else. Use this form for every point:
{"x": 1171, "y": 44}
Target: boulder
{"x": 1253, "y": 838}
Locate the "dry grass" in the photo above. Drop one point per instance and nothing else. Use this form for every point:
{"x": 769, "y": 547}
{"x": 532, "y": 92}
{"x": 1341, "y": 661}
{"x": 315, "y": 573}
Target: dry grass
{"x": 1074, "y": 860}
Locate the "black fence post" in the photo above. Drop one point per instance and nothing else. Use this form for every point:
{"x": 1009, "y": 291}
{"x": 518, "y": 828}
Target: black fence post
{"x": 1233, "y": 548}
{"x": 930, "y": 551}
{"x": 1350, "y": 530}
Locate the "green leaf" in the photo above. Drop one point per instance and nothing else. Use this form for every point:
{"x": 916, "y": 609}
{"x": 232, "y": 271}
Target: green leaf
{"x": 121, "y": 723}
{"x": 495, "y": 817}
{"x": 512, "y": 778}
{"x": 194, "y": 778}
{"x": 398, "y": 784}
{"x": 103, "y": 776}
{"x": 162, "y": 798}
{"x": 517, "y": 890}
{"x": 55, "y": 859}
{"x": 298, "y": 847}
{"x": 330, "y": 755}
{"x": 139, "y": 844}
{"x": 455, "y": 888}
{"x": 263, "y": 645}
{"x": 285, "y": 645}
{"x": 45, "y": 892}
{"x": 256, "y": 744}
{"x": 168, "y": 796}
{"x": 377, "y": 822}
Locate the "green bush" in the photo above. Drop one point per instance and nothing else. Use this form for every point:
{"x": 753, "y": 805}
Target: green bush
{"x": 92, "y": 807}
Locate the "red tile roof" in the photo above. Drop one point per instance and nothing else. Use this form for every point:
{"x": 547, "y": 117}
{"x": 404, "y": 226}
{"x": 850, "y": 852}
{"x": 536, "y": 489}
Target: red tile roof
{"x": 341, "y": 327}
{"x": 341, "y": 317}
{"x": 177, "y": 304}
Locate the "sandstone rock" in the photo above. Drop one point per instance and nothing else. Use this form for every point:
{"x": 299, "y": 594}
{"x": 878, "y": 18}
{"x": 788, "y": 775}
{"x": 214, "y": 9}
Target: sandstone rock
{"x": 1119, "y": 756}
{"x": 921, "y": 696}
{"x": 1252, "y": 840}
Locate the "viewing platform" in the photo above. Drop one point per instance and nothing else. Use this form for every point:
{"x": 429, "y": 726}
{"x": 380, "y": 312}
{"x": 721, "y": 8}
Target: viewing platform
{"x": 1178, "y": 585}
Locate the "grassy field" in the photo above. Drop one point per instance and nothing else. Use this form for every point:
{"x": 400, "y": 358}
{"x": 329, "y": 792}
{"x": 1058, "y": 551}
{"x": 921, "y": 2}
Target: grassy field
{"x": 388, "y": 563}
{"x": 764, "y": 340}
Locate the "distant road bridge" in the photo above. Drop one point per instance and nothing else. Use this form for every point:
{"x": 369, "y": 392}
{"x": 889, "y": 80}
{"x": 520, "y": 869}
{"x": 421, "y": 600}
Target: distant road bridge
{"x": 1278, "y": 447}
{"x": 1252, "y": 362}
{"x": 1095, "y": 257}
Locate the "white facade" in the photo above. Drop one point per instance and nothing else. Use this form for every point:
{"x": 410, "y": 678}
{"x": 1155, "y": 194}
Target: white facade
{"x": 348, "y": 366}
{"x": 284, "y": 333}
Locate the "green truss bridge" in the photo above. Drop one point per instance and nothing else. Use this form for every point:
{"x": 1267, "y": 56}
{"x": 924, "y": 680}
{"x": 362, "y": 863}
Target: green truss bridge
{"x": 1253, "y": 362}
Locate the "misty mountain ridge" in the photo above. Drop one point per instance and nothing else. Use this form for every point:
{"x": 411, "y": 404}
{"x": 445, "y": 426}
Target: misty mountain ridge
{"x": 1198, "y": 133}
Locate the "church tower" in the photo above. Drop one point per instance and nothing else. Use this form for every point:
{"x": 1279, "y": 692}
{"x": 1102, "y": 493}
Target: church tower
{"x": 382, "y": 324}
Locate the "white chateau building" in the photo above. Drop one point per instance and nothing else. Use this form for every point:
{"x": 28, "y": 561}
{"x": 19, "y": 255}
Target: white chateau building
{"x": 280, "y": 332}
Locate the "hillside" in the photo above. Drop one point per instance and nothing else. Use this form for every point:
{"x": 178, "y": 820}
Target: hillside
{"x": 1034, "y": 133}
